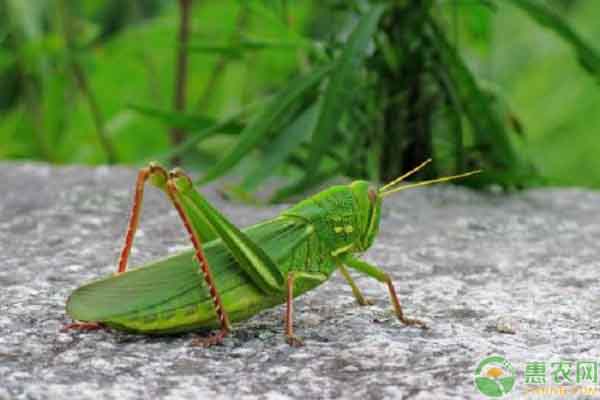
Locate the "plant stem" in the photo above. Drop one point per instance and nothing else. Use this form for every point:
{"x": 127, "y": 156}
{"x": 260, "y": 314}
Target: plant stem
{"x": 181, "y": 71}
{"x": 32, "y": 106}
{"x": 83, "y": 85}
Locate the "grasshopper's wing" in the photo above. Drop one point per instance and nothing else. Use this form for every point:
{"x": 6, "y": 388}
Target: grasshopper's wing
{"x": 251, "y": 257}
{"x": 175, "y": 282}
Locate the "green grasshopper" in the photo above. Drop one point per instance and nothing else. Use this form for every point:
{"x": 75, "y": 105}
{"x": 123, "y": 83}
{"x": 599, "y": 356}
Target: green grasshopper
{"x": 232, "y": 274}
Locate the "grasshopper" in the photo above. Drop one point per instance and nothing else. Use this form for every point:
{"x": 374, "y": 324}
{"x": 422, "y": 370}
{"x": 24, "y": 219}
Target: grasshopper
{"x": 232, "y": 274}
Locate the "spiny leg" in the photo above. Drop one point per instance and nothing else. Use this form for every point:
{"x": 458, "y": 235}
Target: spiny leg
{"x": 361, "y": 300}
{"x": 204, "y": 267}
{"x": 292, "y": 277}
{"x": 381, "y": 276}
{"x": 143, "y": 175}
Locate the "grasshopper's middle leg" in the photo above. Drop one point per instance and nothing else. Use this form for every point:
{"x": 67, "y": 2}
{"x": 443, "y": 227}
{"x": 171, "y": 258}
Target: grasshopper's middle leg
{"x": 172, "y": 191}
{"x": 383, "y": 277}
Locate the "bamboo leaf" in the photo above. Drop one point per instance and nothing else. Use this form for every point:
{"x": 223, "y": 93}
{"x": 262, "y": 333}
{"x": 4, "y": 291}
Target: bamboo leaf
{"x": 488, "y": 129}
{"x": 221, "y": 126}
{"x": 336, "y": 98}
{"x": 264, "y": 44}
{"x": 282, "y": 147}
{"x": 587, "y": 55}
{"x": 335, "y": 101}
{"x": 492, "y": 141}
{"x": 191, "y": 122}
{"x": 272, "y": 17}
{"x": 6, "y": 59}
{"x": 246, "y": 45}
{"x": 3, "y": 34}
{"x": 225, "y": 50}
{"x": 260, "y": 127}
{"x": 193, "y": 139}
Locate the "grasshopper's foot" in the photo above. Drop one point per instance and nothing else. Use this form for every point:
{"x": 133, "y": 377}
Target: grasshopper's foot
{"x": 211, "y": 340}
{"x": 294, "y": 341}
{"x": 83, "y": 326}
{"x": 413, "y": 322}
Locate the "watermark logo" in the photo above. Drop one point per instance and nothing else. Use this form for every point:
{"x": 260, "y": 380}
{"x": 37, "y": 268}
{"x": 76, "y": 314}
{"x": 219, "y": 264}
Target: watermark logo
{"x": 495, "y": 376}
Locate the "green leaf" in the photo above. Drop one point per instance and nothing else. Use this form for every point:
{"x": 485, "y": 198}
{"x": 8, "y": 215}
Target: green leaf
{"x": 260, "y": 127}
{"x": 221, "y": 126}
{"x": 3, "y": 34}
{"x": 282, "y": 147}
{"x": 194, "y": 139}
{"x": 587, "y": 55}
{"x": 479, "y": 23}
{"x": 454, "y": 114}
{"x": 336, "y": 97}
{"x": 7, "y": 59}
{"x": 488, "y": 129}
{"x": 271, "y": 17}
{"x": 181, "y": 120}
{"x": 246, "y": 45}
{"x": 335, "y": 101}
{"x": 225, "y": 50}
{"x": 493, "y": 148}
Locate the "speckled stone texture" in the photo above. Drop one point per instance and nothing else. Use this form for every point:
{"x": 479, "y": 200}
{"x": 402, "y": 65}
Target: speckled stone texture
{"x": 474, "y": 266}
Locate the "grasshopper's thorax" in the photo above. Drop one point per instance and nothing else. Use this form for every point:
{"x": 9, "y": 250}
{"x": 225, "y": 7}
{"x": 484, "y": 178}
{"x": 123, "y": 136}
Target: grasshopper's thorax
{"x": 345, "y": 218}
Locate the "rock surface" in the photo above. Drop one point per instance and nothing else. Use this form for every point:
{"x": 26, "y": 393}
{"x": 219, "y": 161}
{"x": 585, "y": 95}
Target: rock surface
{"x": 492, "y": 274}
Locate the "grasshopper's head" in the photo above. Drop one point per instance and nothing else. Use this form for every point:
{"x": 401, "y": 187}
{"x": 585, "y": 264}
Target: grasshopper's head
{"x": 370, "y": 200}
{"x": 369, "y": 203}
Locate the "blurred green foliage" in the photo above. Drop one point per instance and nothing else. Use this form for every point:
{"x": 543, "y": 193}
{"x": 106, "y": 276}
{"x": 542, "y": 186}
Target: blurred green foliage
{"x": 308, "y": 90}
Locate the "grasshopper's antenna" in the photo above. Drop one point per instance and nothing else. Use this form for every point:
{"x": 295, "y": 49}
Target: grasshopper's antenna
{"x": 406, "y": 175}
{"x": 425, "y": 183}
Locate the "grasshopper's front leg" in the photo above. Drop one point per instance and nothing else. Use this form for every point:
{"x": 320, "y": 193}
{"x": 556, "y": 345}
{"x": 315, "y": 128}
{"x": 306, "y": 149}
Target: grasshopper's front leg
{"x": 383, "y": 277}
{"x": 360, "y": 298}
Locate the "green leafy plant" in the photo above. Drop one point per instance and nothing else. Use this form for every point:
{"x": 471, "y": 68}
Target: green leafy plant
{"x": 277, "y": 94}
{"x": 384, "y": 91}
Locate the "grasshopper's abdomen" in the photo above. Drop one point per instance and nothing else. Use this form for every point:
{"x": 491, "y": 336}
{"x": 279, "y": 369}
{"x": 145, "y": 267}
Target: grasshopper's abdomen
{"x": 170, "y": 295}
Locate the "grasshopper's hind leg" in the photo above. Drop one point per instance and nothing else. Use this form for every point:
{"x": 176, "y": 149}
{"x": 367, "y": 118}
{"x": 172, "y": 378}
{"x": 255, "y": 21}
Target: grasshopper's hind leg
{"x": 165, "y": 181}
{"x": 292, "y": 279}
{"x": 151, "y": 171}
{"x": 383, "y": 277}
{"x": 217, "y": 338}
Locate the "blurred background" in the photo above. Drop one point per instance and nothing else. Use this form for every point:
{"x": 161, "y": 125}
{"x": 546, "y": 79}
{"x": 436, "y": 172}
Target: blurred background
{"x": 298, "y": 92}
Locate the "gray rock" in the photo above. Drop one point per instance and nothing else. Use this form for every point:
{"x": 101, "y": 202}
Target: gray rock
{"x": 475, "y": 266}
